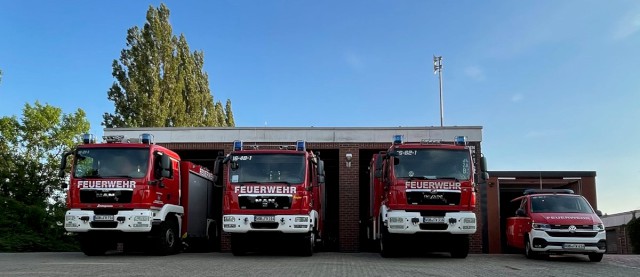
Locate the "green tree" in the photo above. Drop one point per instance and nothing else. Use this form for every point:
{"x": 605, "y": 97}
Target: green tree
{"x": 31, "y": 198}
{"x": 159, "y": 81}
{"x": 229, "y": 115}
{"x": 633, "y": 228}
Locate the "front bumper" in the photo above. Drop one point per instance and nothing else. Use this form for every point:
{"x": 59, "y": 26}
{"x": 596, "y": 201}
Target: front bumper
{"x": 234, "y": 223}
{"x": 541, "y": 241}
{"x": 137, "y": 220}
{"x": 402, "y": 222}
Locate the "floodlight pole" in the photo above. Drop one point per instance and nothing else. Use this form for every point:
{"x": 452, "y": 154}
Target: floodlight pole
{"x": 437, "y": 68}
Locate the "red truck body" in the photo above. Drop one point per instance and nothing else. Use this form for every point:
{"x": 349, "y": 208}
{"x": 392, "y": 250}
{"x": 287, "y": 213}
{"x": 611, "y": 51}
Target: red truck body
{"x": 272, "y": 193}
{"x": 140, "y": 194}
{"x": 556, "y": 222}
{"x": 423, "y": 190}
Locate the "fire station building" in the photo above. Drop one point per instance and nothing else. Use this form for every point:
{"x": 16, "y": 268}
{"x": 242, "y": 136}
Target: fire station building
{"x": 347, "y": 152}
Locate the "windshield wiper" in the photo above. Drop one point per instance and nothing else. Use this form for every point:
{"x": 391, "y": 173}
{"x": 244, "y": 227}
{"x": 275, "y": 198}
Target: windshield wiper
{"x": 118, "y": 176}
{"x": 280, "y": 182}
{"x": 419, "y": 178}
{"x": 447, "y": 178}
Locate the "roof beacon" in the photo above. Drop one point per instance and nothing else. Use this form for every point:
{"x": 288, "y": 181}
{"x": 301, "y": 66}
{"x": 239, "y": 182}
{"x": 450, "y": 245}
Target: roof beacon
{"x": 398, "y": 139}
{"x": 237, "y": 145}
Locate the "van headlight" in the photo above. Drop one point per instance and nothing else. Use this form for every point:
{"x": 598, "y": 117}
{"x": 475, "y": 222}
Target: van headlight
{"x": 540, "y": 226}
{"x": 598, "y": 227}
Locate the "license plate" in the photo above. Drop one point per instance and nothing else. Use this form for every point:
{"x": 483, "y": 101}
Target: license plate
{"x": 432, "y": 219}
{"x": 265, "y": 218}
{"x": 103, "y": 217}
{"x": 573, "y": 246}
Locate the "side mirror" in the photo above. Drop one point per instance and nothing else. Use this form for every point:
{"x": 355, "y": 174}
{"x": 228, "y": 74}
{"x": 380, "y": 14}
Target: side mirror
{"x": 484, "y": 176}
{"x": 599, "y": 213}
{"x": 216, "y": 169}
{"x": 483, "y": 165}
{"x": 63, "y": 163}
{"x": 377, "y": 173}
{"x": 320, "y": 169}
{"x": 166, "y": 166}
{"x": 521, "y": 212}
{"x": 64, "y": 185}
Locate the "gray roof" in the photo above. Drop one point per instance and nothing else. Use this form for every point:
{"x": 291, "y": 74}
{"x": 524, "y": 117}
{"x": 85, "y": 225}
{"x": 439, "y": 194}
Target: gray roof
{"x": 618, "y": 219}
{"x": 309, "y": 134}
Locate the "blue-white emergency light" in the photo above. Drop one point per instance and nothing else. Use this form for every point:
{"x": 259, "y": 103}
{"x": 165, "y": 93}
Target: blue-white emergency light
{"x": 88, "y": 138}
{"x": 398, "y": 139}
{"x": 461, "y": 140}
{"x": 237, "y": 145}
{"x": 146, "y": 138}
{"x": 301, "y": 145}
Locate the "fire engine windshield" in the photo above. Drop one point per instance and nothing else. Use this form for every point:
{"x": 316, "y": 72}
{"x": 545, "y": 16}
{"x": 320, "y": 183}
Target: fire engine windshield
{"x": 433, "y": 164}
{"x": 560, "y": 204}
{"x": 267, "y": 168}
{"x": 111, "y": 162}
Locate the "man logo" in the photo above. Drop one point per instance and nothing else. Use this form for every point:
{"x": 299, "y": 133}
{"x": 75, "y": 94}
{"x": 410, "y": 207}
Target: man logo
{"x": 572, "y": 229}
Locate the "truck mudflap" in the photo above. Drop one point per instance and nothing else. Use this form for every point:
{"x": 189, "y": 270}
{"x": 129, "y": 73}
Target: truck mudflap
{"x": 583, "y": 243}
{"x": 136, "y": 220}
{"x": 235, "y": 223}
{"x": 402, "y": 222}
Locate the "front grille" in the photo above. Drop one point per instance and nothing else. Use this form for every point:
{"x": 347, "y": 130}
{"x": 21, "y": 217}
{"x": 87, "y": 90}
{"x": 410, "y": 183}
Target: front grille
{"x": 566, "y": 227}
{"x": 106, "y": 196}
{"x": 437, "y": 198}
{"x": 265, "y": 225}
{"x": 265, "y": 202}
{"x": 108, "y": 224}
{"x": 433, "y": 227}
{"x": 572, "y": 235}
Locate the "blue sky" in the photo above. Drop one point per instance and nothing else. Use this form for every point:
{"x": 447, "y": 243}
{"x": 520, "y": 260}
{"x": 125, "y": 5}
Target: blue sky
{"x": 555, "y": 84}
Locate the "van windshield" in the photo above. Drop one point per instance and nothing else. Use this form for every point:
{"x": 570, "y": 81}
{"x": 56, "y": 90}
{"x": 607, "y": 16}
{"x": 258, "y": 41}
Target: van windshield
{"x": 560, "y": 204}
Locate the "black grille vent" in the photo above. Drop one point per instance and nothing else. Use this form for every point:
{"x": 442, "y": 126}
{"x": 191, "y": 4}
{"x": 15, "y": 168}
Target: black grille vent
{"x": 437, "y": 198}
{"x": 572, "y": 235}
{"x": 105, "y": 196}
{"x": 265, "y": 202}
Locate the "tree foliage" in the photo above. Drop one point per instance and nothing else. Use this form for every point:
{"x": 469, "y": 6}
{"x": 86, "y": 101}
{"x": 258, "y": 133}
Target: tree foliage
{"x": 159, "y": 81}
{"x": 31, "y": 198}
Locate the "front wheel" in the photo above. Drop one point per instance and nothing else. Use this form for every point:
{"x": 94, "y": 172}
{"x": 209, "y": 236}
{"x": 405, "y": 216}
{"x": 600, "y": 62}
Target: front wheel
{"x": 167, "y": 240}
{"x": 387, "y": 247}
{"x": 308, "y": 244}
{"x": 237, "y": 245}
{"x": 596, "y": 257}
{"x": 460, "y": 248}
{"x": 93, "y": 245}
{"x": 528, "y": 252}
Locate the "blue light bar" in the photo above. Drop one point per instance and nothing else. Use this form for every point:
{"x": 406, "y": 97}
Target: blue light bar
{"x": 301, "y": 145}
{"x": 398, "y": 139}
{"x": 146, "y": 138}
{"x": 237, "y": 145}
{"x": 461, "y": 140}
{"x": 88, "y": 138}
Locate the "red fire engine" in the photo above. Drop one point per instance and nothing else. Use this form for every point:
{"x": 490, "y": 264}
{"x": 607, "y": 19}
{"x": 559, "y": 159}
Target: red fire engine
{"x": 273, "y": 193}
{"x": 424, "y": 192}
{"x": 139, "y": 194}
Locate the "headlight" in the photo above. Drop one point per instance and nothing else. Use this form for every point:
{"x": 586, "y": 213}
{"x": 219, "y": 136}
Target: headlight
{"x": 598, "y": 227}
{"x": 302, "y": 219}
{"x": 141, "y": 218}
{"x": 541, "y": 226}
{"x": 396, "y": 220}
{"x": 69, "y": 217}
{"x": 229, "y": 218}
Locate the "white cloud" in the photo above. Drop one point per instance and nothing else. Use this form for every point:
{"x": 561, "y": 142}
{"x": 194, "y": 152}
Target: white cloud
{"x": 517, "y": 97}
{"x": 474, "y": 73}
{"x": 628, "y": 25}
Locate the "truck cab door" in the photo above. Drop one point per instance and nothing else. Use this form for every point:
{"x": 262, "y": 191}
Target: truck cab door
{"x": 517, "y": 227}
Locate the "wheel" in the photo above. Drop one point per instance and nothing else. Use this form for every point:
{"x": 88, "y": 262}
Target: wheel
{"x": 530, "y": 254}
{"x": 237, "y": 245}
{"x": 92, "y": 245}
{"x": 167, "y": 240}
{"x": 213, "y": 241}
{"x": 596, "y": 257}
{"x": 460, "y": 248}
{"x": 308, "y": 244}
{"x": 387, "y": 248}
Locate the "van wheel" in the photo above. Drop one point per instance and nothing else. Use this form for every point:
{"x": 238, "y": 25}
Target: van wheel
{"x": 530, "y": 254}
{"x": 596, "y": 257}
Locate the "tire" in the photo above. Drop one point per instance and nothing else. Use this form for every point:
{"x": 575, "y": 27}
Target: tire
{"x": 92, "y": 245}
{"x": 460, "y": 249}
{"x": 166, "y": 240}
{"x": 387, "y": 247}
{"x": 596, "y": 257}
{"x": 307, "y": 244}
{"x": 213, "y": 241}
{"x": 238, "y": 247}
{"x": 530, "y": 254}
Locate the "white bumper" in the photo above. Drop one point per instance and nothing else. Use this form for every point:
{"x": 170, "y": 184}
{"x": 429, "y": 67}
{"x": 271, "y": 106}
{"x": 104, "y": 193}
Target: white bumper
{"x": 402, "y": 222}
{"x": 559, "y": 244}
{"x": 125, "y": 221}
{"x": 234, "y": 223}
